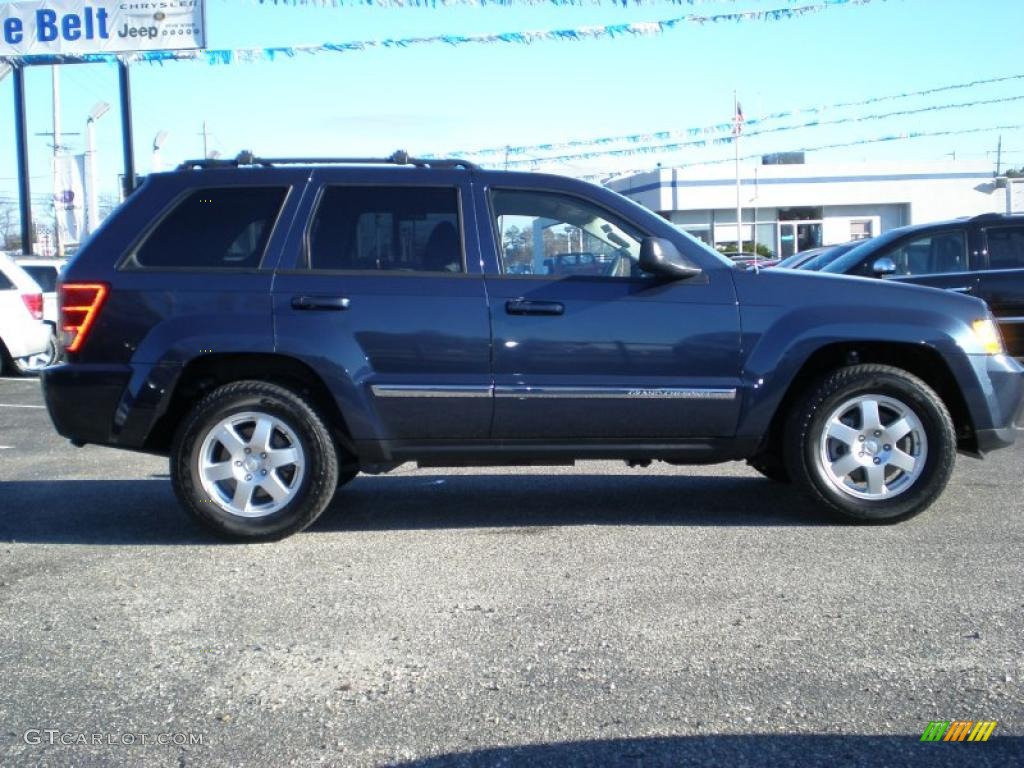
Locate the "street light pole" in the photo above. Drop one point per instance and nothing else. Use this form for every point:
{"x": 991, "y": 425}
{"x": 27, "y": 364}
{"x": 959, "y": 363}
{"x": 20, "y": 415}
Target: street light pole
{"x": 92, "y": 205}
{"x": 57, "y": 201}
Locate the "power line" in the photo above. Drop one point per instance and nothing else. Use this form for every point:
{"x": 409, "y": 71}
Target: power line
{"x": 837, "y": 145}
{"x": 725, "y": 127}
{"x": 675, "y": 146}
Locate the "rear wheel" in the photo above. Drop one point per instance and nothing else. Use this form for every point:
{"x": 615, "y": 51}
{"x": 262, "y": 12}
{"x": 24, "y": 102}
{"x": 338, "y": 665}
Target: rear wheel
{"x": 872, "y": 442}
{"x": 254, "y": 461}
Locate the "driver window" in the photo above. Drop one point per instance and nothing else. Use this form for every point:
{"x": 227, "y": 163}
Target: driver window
{"x": 542, "y": 233}
{"x": 931, "y": 255}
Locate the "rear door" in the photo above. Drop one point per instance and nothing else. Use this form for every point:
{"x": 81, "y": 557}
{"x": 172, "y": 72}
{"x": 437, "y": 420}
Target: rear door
{"x": 379, "y": 290}
{"x": 1001, "y": 282}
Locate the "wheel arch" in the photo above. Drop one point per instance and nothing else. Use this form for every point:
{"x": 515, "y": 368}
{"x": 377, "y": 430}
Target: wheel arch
{"x": 204, "y": 373}
{"x": 922, "y": 361}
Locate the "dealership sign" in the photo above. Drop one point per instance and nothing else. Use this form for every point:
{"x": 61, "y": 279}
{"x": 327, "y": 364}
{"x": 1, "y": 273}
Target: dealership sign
{"x": 100, "y": 26}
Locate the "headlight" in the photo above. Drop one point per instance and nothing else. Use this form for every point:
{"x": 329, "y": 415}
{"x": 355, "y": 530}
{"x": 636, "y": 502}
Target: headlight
{"x": 987, "y": 334}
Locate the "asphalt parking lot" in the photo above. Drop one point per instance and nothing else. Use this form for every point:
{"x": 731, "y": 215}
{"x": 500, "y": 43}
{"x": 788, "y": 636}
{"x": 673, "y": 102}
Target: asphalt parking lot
{"x": 591, "y": 616}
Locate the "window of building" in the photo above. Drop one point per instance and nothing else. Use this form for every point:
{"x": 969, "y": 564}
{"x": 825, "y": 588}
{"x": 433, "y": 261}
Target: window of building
{"x": 804, "y": 213}
{"x": 861, "y": 229}
{"x": 1005, "y": 248}
{"x": 225, "y": 228}
{"x": 403, "y": 229}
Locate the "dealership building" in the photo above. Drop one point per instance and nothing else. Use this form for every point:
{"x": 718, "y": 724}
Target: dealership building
{"x": 789, "y": 205}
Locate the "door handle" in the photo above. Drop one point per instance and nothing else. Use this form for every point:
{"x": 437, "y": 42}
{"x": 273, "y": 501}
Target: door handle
{"x": 528, "y": 307}
{"x": 962, "y": 289}
{"x": 323, "y": 303}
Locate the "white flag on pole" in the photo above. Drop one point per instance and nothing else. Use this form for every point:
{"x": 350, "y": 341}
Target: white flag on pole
{"x": 69, "y": 197}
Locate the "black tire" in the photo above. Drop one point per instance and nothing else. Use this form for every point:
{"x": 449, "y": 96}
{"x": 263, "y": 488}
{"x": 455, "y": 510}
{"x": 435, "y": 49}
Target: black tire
{"x": 807, "y": 450}
{"x": 309, "y": 482}
{"x": 772, "y": 467}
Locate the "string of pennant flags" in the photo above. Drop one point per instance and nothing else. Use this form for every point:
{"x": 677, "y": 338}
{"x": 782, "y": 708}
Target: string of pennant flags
{"x": 605, "y": 177}
{"x": 723, "y": 127}
{"x": 481, "y": 3}
{"x": 651, "y": 148}
{"x": 590, "y": 32}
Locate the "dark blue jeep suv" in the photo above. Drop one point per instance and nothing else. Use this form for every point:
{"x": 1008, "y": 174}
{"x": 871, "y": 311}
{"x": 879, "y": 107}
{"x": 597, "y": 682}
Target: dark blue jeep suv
{"x": 277, "y": 326}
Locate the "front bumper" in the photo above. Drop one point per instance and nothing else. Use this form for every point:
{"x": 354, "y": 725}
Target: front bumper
{"x": 1001, "y": 420}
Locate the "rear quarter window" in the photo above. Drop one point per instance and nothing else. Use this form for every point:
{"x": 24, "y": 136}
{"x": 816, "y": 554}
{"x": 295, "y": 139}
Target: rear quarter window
{"x": 45, "y": 276}
{"x": 1005, "y": 248}
{"x": 5, "y": 284}
{"x": 221, "y": 228}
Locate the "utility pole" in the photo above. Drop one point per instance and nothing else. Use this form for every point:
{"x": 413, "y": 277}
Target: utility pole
{"x": 57, "y": 135}
{"x": 205, "y": 134}
{"x": 999, "y": 155}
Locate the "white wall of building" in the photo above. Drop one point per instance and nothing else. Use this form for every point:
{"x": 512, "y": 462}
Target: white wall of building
{"x": 887, "y": 196}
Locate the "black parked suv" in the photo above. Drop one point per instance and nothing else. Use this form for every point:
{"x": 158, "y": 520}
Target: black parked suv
{"x": 275, "y": 327}
{"x": 982, "y": 256}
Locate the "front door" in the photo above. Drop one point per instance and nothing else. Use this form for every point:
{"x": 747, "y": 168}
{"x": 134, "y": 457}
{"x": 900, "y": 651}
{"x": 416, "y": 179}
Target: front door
{"x": 586, "y": 346}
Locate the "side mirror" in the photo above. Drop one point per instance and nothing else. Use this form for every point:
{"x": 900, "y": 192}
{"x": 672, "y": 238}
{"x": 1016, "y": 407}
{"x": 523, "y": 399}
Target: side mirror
{"x": 661, "y": 257}
{"x": 883, "y": 267}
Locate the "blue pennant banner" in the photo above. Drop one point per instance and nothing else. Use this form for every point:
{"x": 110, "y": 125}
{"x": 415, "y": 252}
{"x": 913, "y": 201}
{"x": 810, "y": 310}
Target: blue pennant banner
{"x": 725, "y": 127}
{"x": 604, "y": 177}
{"x": 595, "y": 32}
{"x": 649, "y": 147}
{"x": 478, "y": 3}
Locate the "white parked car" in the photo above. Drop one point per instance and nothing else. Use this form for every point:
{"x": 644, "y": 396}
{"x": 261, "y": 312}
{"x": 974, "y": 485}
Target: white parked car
{"x": 26, "y": 342}
{"x": 46, "y": 272}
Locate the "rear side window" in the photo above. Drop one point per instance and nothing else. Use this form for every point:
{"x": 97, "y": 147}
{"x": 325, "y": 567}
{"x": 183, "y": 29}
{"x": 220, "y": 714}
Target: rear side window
{"x": 1006, "y": 248}
{"x": 45, "y": 276}
{"x": 226, "y": 228}
{"x": 398, "y": 229}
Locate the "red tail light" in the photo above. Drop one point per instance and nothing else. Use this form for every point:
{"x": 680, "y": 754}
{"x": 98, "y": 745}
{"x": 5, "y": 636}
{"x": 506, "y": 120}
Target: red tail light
{"x": 34, "y": 304}
{"x": 80, "y": 304}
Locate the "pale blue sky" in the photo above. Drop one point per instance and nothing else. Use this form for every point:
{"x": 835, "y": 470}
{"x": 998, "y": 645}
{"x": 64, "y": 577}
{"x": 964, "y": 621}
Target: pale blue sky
{"x": 433, "y": 99}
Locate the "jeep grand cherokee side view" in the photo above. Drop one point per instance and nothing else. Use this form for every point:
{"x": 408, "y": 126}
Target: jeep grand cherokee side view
{"x": 275, "y": 327}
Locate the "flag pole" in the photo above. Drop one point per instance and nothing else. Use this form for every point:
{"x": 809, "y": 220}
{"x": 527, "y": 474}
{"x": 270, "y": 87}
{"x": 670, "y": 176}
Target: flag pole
{"x": 736, "y": 145}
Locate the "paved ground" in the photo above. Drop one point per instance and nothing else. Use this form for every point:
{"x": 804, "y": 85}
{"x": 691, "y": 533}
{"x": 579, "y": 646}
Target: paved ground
{"x": 596, "y": 616}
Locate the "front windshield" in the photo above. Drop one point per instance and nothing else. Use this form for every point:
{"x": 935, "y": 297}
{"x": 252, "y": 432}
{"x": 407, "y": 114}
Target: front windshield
{"x": 801, "y": 258}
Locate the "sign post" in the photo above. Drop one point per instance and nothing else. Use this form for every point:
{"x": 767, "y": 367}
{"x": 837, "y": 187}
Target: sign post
{"x": 21, "y": 140}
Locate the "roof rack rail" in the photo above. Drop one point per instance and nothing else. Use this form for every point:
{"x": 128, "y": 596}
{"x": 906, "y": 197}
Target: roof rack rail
{"x": 401, "y": 157}
{"x": 990, "y": 215}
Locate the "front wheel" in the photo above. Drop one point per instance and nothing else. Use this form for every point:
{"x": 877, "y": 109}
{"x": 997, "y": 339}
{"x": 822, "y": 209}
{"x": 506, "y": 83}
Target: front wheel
{"x": 254, "y": 461}
{"x": 872, "y": 442}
